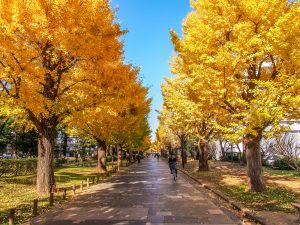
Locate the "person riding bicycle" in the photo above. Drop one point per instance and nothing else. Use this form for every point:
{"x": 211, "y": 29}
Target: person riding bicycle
{"x": 173, "y": 163}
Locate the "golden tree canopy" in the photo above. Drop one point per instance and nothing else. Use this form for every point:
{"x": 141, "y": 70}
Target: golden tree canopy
{"x": 242, "y": 55}
{"x": 48, "y": 54}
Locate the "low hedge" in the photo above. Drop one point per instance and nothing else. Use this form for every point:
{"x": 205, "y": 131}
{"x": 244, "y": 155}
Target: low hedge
{"x": 17, "y": 167}
{"x": 60, "y": 162}
{"x": 109, "y": 158}
{"x": 20, "y": 167}
{"x": 281, "y": 164}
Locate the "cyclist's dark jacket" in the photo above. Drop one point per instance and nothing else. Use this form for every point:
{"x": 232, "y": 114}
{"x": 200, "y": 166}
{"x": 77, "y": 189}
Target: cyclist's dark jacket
{"x": 172, "y": 160}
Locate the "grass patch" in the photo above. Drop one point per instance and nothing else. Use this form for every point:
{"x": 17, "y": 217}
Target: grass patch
{"x": 285, "y": 173}
{"x": 24, "y": 210}
{"x": 66, "y": 177}
{"x": 274, "y": 199}
{"x": 231, "y": 179}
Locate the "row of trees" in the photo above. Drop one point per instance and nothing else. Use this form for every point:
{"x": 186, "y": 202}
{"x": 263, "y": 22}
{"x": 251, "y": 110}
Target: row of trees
{"x": 24, "y": 143}
{"x": 237, "y": 73}
{"x": 61, "y": 63}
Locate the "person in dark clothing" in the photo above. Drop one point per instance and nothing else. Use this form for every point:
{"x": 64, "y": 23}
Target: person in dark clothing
{"x": 173, "y": 164}
{"x": 157, "y": 155}
{"x": 138, "y": 157}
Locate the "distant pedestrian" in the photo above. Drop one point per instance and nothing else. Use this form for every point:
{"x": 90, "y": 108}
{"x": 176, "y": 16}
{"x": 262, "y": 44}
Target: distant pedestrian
{"x": 138, "y": 157}
{"x": 128, "y": 157}
{"x": 134, "y": 156}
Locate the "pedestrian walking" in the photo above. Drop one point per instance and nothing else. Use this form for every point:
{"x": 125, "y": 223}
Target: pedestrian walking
{"x": 138, "y": 157}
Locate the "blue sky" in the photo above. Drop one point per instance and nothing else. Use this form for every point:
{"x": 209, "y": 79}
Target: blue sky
{"x": 147, "y": 44}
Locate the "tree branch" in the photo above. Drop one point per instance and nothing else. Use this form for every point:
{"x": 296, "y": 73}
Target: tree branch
{"x": 274, "y": 68}
{"x": 70, "y": 86}
{"x": 4, "y": 87}
{"x": 34, "y": 119}
{"x": 230, "y": 106}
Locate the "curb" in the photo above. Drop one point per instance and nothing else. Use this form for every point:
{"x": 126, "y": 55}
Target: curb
{"x": 245, "y": 212}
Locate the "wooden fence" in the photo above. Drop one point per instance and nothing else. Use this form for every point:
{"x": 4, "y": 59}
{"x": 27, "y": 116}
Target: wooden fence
{"x": 52, "y": 196}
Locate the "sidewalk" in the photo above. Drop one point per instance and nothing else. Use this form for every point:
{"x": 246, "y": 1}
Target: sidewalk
{"x": 145, "y": 195}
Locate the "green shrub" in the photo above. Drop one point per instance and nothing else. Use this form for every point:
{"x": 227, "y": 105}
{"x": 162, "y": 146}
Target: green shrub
{"x": 228, "y": 158}
{"x": 109, "y": 158}
{"x": 17, "y": 167}
{"x": 281, "y": 164}
{"x": 59, "y": 162}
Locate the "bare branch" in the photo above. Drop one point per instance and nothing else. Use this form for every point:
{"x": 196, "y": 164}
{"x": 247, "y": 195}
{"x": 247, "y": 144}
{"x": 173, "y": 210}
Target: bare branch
{"x": 274, "y": 68}
{"x": 34, "y": 119}
{"x": 4, "y": 87}
{"x": 230, "y": 106}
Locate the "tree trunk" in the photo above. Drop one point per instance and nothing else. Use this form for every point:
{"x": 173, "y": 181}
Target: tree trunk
{"x": 45, "y": 169}
{"x": 222, "y": 149}
{"x": 170, "y": 148}
{"x": 65, "y": 145}
{"x": 231, "y": 153}
{"x": 254, "y": 164}
{"x": 119, "y": 153}
{"x": 203, "y": 161}
{"x": 182, "y": 149}
{"x": 101, "y": 164}
{"x": 244, "y": 161}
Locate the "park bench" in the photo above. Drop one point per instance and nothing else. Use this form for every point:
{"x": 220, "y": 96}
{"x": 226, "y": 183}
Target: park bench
{"x": 297, "y": 206}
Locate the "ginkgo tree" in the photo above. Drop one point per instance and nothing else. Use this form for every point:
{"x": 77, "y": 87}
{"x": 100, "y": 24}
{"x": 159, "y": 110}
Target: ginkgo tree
{"x": 48, "y": 50}
{"x": 133, "y": 131}
{"x": 189, "y": 112}
{"x": 118, "y": 114}
{"x": 165, "y": 140}
{"x": 173, "y": 114}
{"x": 245, "y": 53}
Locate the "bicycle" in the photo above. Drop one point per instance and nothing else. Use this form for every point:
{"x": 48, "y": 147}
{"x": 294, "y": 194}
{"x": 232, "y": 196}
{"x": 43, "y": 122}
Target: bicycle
{"x": 174, "y": 171}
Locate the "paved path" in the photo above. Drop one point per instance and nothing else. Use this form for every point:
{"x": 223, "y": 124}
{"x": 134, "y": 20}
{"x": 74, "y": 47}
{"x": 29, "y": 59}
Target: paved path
{"x": 145, "y": 195}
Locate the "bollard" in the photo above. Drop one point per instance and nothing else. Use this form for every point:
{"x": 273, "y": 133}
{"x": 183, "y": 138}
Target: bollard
{"x": 87, "y": 182}
{"x": 64, "y": 194}
{"x": 11, "y": 216}
{"x": 35, "y": 207}
{"x": 51, "y": 199}
{"x": 74, "y": 189}
{"x": 81, "y": 186}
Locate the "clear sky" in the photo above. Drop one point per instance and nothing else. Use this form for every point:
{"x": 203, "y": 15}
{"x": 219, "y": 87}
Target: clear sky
{"x": 148, "y": 44}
